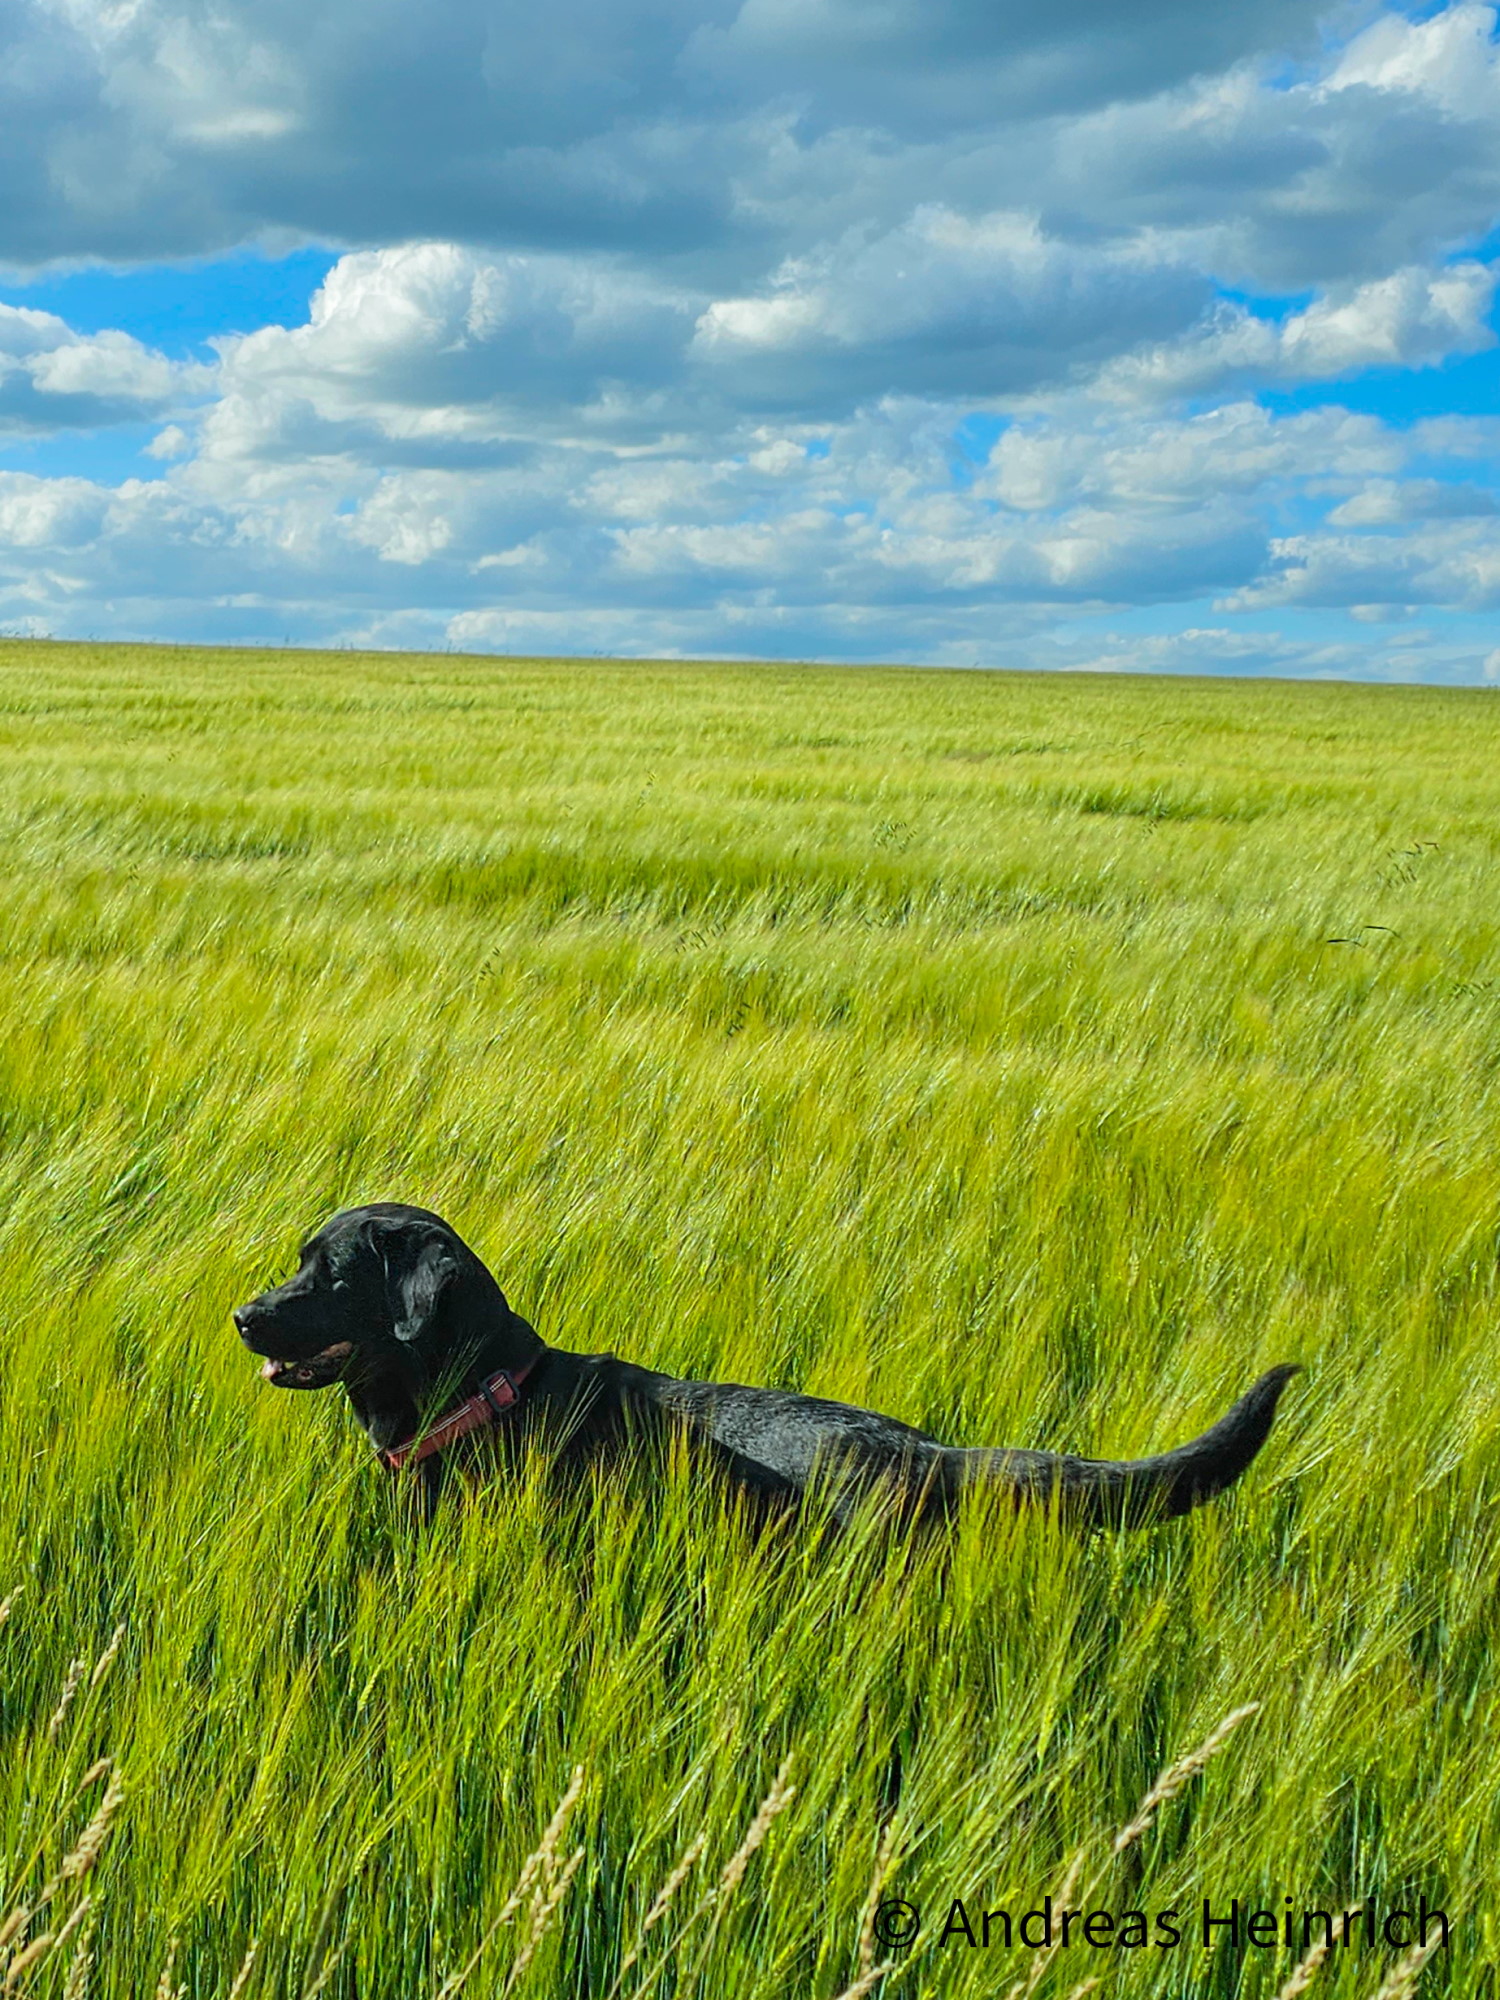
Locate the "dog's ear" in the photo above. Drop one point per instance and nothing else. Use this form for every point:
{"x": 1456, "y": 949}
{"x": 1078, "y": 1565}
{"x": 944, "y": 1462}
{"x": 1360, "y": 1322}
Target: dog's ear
{"x": 418, "y": 1271}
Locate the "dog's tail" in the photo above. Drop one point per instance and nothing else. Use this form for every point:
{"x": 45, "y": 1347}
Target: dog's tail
{"x": 1131, "y": 1493}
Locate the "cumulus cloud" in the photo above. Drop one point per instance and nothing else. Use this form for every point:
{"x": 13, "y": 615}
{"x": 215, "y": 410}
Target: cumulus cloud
{"x": 728, "y": 134}
{"x": 1410, "y": 319}
{"x": 915, "y": 66}
{"x": 766, "y": 325}
{"x": 945, "y": 303}
{"x": 433, "y": 345}
{"x": 52, "y": 378}
{"x": 56, "y": 515}
{"x": 1447, "y": 58}
{"x": 1097, "y": 454}
{"x": 1453, "y": 563}
{"x": 854, "y": 539}
{"x": 1390, "y": 503}
{"x": 1324, "y": 179}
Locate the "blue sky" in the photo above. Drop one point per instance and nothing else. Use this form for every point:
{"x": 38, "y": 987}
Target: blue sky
{"x": 1120, "y": 334}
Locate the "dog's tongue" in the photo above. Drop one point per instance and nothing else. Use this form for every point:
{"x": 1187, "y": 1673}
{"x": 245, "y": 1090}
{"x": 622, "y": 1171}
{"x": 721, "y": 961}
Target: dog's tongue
{"x": 314, "y": 1372}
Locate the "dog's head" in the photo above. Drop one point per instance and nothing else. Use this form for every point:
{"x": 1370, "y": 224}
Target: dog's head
{"x": 380, "y": 1290}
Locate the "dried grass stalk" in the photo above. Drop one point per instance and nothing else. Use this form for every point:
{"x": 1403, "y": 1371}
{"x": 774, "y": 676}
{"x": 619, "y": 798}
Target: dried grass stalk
{"x": 878, "y": 1874}
{"x": 538, "y": 1878}
{"x": 1167, "y": 1786}
{"x": 1172, "y": 1780}
{"x": 543, "y": 1855}
{"x": 1401, "y": 1981}
{"x": 75, "y": 1917}
{"x": 665, "y": 1896}
{"x": 87, "y": 1852}
{"x": 871, "y": 1977}
{"x": 26, "y": 1960}
{"x": 542, "y": 1919}
{"x": 775, "y": 1802}
{"x": 107, "y": 1658}
{"x": 65, "y": 1701}
{"x": 16, "y": 1922}
{"x": 326, "y": 1971}
{"x": 242, "y": 1977}
{"x": 1306, "y": 1971}
{"x": 77, "y": 1984}
{"x": 164, "y": 1987}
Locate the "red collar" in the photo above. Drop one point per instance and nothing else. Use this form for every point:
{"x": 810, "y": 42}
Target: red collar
{"x": 497, "y": 1394}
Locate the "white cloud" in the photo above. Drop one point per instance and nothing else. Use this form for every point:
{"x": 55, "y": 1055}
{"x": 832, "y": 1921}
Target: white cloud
{"x": 1146, "y": 461}
{"x": 759, "y": 324}
{"x": 404, "y": 520}
{"x": 53, "y": 378}
{"x": 173, "y": 442}
{"x": 434, "y": 347}
{"x": 1388, "y": 503}
{"x": 945, "y": 303}
{"x": 50, "y": 514}
{"x": 1448, "y": 58}
{"x": 1320, "y": 180}
{"x": 1410, "y": 319}
{"x": 1455, "y": 564}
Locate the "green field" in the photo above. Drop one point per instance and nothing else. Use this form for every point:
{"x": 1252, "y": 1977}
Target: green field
{"x": 1034, "y": 1058}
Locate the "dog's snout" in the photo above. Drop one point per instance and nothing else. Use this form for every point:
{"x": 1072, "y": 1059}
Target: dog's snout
{"x": 244, "y": 1319}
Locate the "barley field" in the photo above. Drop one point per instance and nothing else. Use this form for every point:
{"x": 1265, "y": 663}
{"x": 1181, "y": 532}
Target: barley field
{"x": 1036, "y": 1059}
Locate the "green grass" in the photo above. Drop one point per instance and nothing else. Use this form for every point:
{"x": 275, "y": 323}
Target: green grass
{"x": 968, "y": 1046}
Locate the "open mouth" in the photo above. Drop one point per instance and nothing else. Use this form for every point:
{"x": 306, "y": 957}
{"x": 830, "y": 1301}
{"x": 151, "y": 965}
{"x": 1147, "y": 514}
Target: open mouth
{"x": 316, "y": 1372}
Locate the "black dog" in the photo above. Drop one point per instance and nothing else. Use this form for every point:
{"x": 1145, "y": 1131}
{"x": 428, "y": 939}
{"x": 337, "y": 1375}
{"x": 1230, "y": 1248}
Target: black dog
{"x": 389, "y": 1301}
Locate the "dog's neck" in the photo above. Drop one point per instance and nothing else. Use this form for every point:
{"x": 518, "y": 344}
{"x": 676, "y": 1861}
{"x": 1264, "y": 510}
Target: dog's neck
{"x": 405, "y": 1393}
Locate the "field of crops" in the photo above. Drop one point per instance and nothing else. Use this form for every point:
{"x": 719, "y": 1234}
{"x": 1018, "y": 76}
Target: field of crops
{"x": 1036, "y": 1059}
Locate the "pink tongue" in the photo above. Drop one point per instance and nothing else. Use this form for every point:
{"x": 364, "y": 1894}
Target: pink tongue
{"x": 271, "y": 1370}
